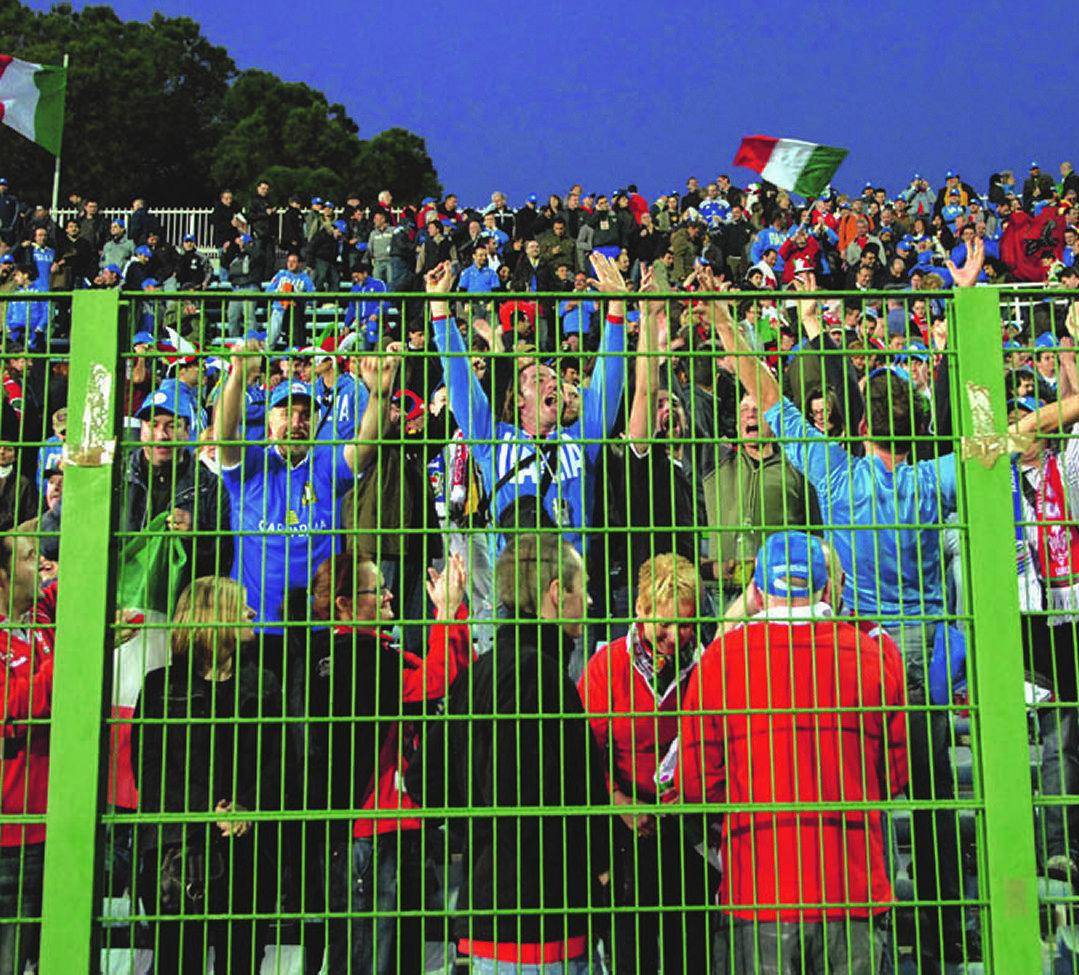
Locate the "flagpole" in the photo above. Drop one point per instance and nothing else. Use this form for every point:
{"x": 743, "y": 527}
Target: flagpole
{"x": 56, "y": 170}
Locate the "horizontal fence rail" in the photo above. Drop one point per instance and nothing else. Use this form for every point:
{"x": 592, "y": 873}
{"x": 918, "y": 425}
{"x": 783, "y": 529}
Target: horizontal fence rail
{"x": 464, "y": 631}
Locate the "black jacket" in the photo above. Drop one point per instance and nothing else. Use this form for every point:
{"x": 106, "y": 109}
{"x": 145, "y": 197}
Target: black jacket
{"x": 141, "y": 224}
{"x": 18, "y": 499}
{"x": 221, "y": 223}
{"x": 191, "y": 764}
{"x": 191, "y": 486}
{"x": 356, "y": 676}
{"x": 292, "y": 236}
{"x": 163, "y": 262}
{"x": 192, "y": 270}
{"x": 322, "y": 247}
{"x": 521, "y": 739}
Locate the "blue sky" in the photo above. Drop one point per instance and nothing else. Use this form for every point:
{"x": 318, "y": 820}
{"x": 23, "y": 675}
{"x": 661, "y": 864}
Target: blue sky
{"x": 534, "y": 97}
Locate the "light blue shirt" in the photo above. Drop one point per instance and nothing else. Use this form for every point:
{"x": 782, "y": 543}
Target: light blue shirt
{"x": 890, "y": 571}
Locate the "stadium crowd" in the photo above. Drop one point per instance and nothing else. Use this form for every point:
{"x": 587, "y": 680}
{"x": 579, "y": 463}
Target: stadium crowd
{"x": 569, "y": 564}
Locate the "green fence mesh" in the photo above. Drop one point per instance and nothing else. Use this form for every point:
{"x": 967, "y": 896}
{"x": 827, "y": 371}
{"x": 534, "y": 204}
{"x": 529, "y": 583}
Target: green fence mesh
{"x": 750, "y": 688}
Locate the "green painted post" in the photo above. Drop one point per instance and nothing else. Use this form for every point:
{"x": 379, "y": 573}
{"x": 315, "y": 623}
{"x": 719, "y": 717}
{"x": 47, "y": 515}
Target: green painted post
{"x": 997, "y": 664}
{"x": 77, "y": 725}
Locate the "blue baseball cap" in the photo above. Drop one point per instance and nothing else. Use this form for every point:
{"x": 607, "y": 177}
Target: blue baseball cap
{"x": 7, "y": 259}
{"x": 119, "y": 221}
{"x": 151, "y": 283}
{"x": 898, "y": 371}
{"x": 915, "y": 350}
{"x": 1034, "y": 164}
{"x": 341, "y": 225}
{"x": 283, "y": 392}
{"x": 167, "y": 398}
{"x": 115, "y": 268}
{"x": 950, "y": 174}
{"x": 143, "y": 251}
{"x": 1046, "y": 341}
{"x": 316, "y": 201}
{"x": 532, "y": 198}
{"x": 189, "y": 238}
{"x": 327, "y": 203}
{"x": 1028, "y": 403}
{"x": 1012, "y": 346}
{"x": 142, "y": 338}
{"x": 246, "y": 239}
{"x": 3, "y": 181}
{"x": 791, "y": 564}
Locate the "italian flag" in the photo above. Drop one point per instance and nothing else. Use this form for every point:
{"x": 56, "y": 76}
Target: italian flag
{"x": 801, "y": 167}
{"x": 32, "y": 100}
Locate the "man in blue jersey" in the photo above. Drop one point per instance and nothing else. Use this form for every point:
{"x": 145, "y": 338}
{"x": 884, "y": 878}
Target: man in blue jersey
{"x": 893, "y": 573}
{"x": 517, "y": 445}
{"x": 286, "y": 492}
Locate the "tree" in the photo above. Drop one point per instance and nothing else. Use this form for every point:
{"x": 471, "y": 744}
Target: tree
{"x": 286, "y": 132}
{"x": 143, "y": 104}
{"x": 155, "y": 110}
{"x": 396, "y": 160}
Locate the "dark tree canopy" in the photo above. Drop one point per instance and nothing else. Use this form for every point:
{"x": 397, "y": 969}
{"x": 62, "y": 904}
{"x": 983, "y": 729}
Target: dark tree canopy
{"x": 155, "y": 109}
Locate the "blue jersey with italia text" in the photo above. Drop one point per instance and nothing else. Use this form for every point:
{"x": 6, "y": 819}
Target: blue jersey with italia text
{"x": 340, "y": 409}
{"x": 284, "y": 513}
{"x": 43, "y": 258}
{"x": 568, "y": 500}
{"x": 891, "y": 570}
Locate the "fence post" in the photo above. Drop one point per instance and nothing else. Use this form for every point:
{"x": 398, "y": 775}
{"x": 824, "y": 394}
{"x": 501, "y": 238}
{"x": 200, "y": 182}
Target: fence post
{"x": 1001, "y": 749}
{"x": 82, "y": 639}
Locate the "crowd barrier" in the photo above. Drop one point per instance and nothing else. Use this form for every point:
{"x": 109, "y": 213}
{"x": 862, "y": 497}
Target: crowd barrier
{"x": 394, "y": 497}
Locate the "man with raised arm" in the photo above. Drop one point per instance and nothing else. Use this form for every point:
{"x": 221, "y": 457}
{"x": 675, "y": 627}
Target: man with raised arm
{"x": 894, "y": 575}
{"x": 518, "y": 446}
{"x": 286, "y": 492}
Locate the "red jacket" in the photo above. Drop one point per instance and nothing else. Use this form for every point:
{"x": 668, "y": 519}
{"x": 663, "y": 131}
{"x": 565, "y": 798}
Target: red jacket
{"x": 449, "y": 651}
{"x": 791, "y": 252}
{"x": 804, "y": 754}
{"x": 638, "y": 742}
{"x": 27, "y": 661}
{"x": 638, "y": 206}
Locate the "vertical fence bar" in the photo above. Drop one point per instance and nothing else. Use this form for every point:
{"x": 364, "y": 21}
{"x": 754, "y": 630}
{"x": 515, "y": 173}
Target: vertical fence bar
{"x": 82, "y": 663}
{"x": 997, "y": 659}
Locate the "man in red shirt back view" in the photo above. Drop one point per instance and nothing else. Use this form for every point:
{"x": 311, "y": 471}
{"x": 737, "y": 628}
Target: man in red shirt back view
{"x": 797, "y": 706}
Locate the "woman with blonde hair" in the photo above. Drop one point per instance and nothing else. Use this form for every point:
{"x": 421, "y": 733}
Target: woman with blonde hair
{"x": 207, "y": 741}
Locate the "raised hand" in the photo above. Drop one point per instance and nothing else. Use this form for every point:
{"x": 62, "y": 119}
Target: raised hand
{"x": 439, "y": 279}
{"x": 609, "y": 277}
{"x": 248, "y": 365}
{"x": 447, "y": 588}
{"x": 378, "y": 372}
{"x": 967, "y": 275}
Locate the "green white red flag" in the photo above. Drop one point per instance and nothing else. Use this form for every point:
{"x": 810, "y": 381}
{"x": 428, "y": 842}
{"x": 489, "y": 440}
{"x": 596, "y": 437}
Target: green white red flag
{"x": 791, "y": 164}
{"x": 32, "y": 100}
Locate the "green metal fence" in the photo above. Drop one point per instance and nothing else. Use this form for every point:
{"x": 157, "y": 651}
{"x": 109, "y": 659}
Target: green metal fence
{"x": 210, "y": 776}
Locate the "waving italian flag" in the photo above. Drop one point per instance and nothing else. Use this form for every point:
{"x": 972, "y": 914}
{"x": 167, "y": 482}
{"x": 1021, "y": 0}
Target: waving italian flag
{"x": 32, "y": 100}
{"x": 801, "y": 167}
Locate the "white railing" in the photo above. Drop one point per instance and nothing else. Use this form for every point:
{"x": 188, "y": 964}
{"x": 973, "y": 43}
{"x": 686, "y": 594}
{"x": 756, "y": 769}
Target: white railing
{"x": 175, "y": 222}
